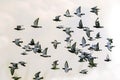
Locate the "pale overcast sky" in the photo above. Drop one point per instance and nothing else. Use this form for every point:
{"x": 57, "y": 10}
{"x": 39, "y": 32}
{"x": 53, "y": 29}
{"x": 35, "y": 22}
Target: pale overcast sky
{"x": 24, "y": 12}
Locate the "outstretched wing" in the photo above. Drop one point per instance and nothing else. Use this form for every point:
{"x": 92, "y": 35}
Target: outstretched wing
{"x": 45, "y": 51}
{"x": 73, "y": 47}
{"x": 36, "y": 21}
{"x": 80, "y": 24}
{"x": 66, "y": 64}
{"x": 83, "y": 41}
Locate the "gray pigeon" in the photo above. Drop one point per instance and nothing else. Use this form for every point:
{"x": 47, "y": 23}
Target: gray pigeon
{"x": 107, "y": 58}
{"x": 80, "y": 25}
{"x": 95, "y": 10}
{"x": 68, "y": 31}
{"x": 22, "y": 63}
{"x": 109, "y": 46}
{"x": 57, "y": 18}
{"x": 67, "y": 14}
{"x": 35, "y": 24}
{"x": 55, "y": 43}
{"x": 78, "y": 12}
{"x": 17, "y": 42}
{"x": 97, "y": 24}
{"x": 84, "y": 71}
{"x": 73, "y": 48}
{"x": 37, "y": 76}
{"x": 66, "y": 67}
{"x": 98, "y": 35}
{"x": 44, "y": 53}
{"x": 19, "y": 28}
{"x": 55, "y": 64}
{"x": 84, "y": 42}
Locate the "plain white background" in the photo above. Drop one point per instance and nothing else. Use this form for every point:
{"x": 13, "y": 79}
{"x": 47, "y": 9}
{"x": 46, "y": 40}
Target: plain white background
{"x": 15, "y": 12}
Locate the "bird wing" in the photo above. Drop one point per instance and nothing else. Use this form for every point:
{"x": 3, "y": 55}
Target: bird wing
{"x": 73, "y": 47}
{"x": 83, "y": 41}
{"x": 80, "y": 23}
{"x": 45, "y": 51}
{"x": 36, "y": 21}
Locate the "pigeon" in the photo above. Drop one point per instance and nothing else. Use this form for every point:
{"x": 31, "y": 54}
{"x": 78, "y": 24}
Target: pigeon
{"x": 55, "y": 63}
{"x": 109, "y": 46}
{"x": 16, "y": 78}
{"x": 32, "y": 42}
{"x": 73, "y": 48}
{"x": 22, "y": 63}
{"x": 95, "y": 47}
{"x": 17, "y": 42}
{"x": 35, "y": 24}
{"x": 107, "y": 58}
{"x": 97, "y": 24}
{"x": 57, "y": 18}
{"x": 44, "y": 53}
{"x": 19, "y": 28}
{"x": 84, "y": 71}
{"x": 68, "y": 31}
{"x": 60, "y": 27}
{"x": 95, "y": 10}
{"x": 98, "y": 35}
{"x": 66, "y": 67}
{"x": 55, "y": 43}
{"x": 84, "y": 42}
{"x": 78, "y": 12}
{"x": 80, "y": 25}
{"x": 67, "y": 14}
{"x": 37, "y": 76}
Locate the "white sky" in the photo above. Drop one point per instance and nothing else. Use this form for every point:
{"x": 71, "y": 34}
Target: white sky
{"x": 14, "y": 12}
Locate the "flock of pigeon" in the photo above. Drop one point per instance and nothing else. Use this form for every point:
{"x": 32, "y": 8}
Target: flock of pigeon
{"x": 84, "y": 56}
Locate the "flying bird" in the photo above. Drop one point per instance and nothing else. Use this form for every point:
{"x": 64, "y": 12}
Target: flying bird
{"x": 17, "y": 42}
{"x": 44, "y": 53}
{"x": 22, "y": 63}
{"x": 97, "y": 24}
{"x": 109, "y": 46}
{"x": 55, "y": 64}
{"x": 78, "y": 12}
{"x": 66, "y": 67}
{"x": 32, "y": 42}
{"x": 80, "y": 25}
{"x": 19, "y": 28}
{"x": 73, "y": 48}
{"x": 67, "y": 14}
{"x": 84, "y": 42}
{"x": 84, "y": 71}
{"x": 68, "y": 31}
{"x": 98, "y": 35}
{"x": 37, "y": 76}
{"x": 95, "y": 10}
{"x": 60, "y": 27}
{"x": 55, "y": 43}
{"x": 57, "y": 18}
{"x": 107, "y": 58}
{"x": 35, "y": 24}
